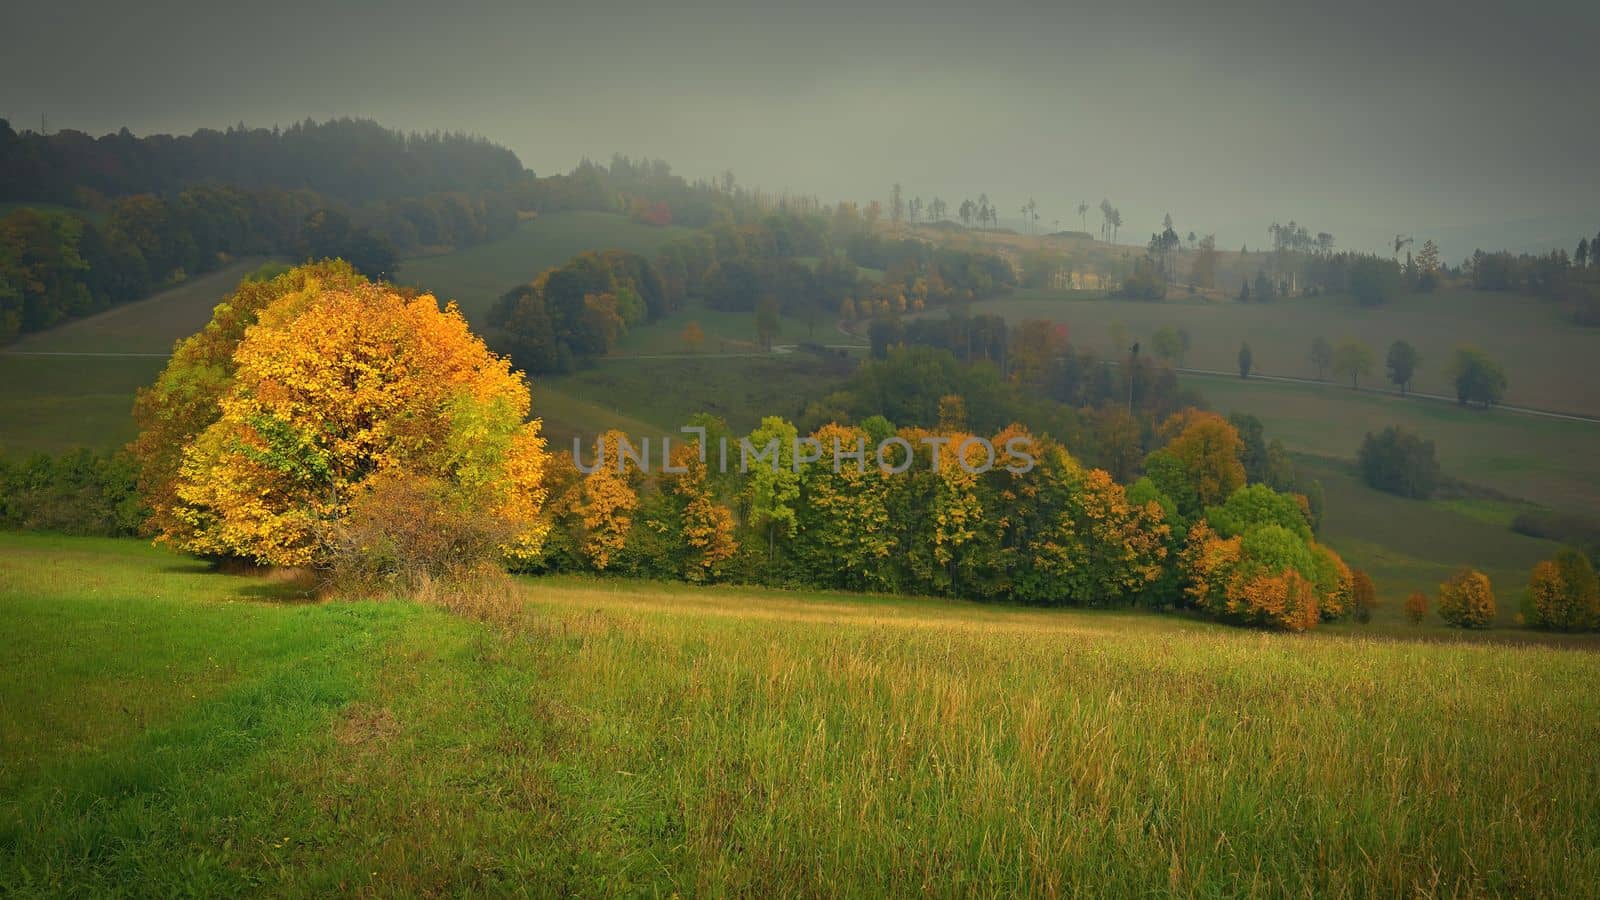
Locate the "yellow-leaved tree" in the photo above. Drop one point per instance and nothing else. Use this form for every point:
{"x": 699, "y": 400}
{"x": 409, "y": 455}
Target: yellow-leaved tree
{"x": 184, "y": 400}
{"x": 342, "y": 388}
{"x": 607, "y": 500}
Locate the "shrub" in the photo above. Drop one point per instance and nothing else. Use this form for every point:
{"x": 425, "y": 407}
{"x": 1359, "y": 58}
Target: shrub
{"x": 79, "y": 492}
{"x": 404, "y": 532}
{"x": 1399, "y": 462}
{"x": 1416, "y": 607}
{"x": 1563, "y": 594}
{"x": 1467, "y": 600}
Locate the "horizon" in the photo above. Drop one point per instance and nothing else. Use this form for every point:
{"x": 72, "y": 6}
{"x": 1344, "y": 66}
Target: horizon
{"x": 1365, "y": 122}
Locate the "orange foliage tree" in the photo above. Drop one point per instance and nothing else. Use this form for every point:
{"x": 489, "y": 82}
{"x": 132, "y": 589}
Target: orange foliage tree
{"x": 1466, "y": 600}
{"x": 1259, "y": 577}
{"x": 185, "y": 398}
{"x": 1416, "y": 607}
{"x": 1563, "y": 594}
{"x": 1207, "y": 447}
{"x": 707, "y": 526}
{"x": 340, "y": 382}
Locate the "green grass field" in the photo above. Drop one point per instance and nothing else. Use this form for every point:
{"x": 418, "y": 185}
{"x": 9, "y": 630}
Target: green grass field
{"x": 477, "y": 276}
{"x": 151, "y": 325}
{"x": 1548, "y": 461}
{"x": 165, "y": 730}
{"x": 1414, "y": 545}
{"x": 52, "y": 403}
{"x": 664, "y": 393}
{"x": 1545, "y": 357}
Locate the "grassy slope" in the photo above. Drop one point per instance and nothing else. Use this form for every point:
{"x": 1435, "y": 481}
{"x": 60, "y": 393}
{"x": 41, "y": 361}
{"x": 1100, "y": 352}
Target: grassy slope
{"x": 626, "y": 738}
{"x": 56, "y": 402}
{"x": 1544, "y": 356}
{"x": 477, "y": 276}
{"x": 150, "y": 325}
{"x": 664, "y": 393}
{"x": 1408, "y": 545}
{"x": 53, "y": 403}
{"x": 1549, "y": 461}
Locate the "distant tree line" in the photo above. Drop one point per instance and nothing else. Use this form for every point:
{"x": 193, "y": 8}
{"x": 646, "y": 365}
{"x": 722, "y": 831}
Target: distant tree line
{"x": 352, "y": 161}
{"x": 1572, "y": 281}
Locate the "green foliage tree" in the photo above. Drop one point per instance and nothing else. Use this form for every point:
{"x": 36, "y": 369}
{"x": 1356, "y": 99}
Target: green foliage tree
{"x": 1352, "y": 359}
{"x": 1399, "y": 462}
{"x": 771, "y": 484}
{"x": 1478, "y": 378}
{"x": 1402, "y": 364}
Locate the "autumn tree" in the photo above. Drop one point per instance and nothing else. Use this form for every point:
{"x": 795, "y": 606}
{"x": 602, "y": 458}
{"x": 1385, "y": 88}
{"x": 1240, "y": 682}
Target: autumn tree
{"x": 705, "y": 525}
{"x": 185, "y": 398}
{"x": 693, "y": 336}
{"x": 1262, "y": 577}
{"x": 1563, "y": 594}
{"x": 1466, "y": 600}
{"x": 1207, "y": 450}
{"x": 608, "y": 499}
{"x": 1416, "y": 607}
{"x": 1363, "y": 596}
{"x": 1097, "y": 548}
{"x": 844, "y": 536}
{"x": 338, "y": 384}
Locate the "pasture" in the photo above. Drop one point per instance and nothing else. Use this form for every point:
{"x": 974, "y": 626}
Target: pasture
{"x": 1543, "y": 354}
{"x": 165, "y": 729}
{"x": 1414, "y": 545}
{"x": 477, "y": 276}
{"x": 1547, "y": 461}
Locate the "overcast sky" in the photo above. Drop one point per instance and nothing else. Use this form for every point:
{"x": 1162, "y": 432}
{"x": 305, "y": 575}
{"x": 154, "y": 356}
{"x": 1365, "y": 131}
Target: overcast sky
{"x": 1361, "y": 118}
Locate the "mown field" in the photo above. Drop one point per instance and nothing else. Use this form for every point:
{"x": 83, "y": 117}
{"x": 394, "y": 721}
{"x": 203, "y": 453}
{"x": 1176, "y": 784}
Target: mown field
{"x": 167, "y": 730}
{"x": 1544, "y": 355}
{"x": 477, "y": 276}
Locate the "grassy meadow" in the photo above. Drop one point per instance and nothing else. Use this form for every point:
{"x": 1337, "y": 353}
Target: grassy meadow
{"x": 1548, "y": 461}
{"x": 1414, "y": 545}
{"x": 147, "y": 326}
{"x": 169, "y": 730}
{"x": 477, "y": 276}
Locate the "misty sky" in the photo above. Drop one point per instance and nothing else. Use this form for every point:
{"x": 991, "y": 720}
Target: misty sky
{"x": 1461, "y": 120}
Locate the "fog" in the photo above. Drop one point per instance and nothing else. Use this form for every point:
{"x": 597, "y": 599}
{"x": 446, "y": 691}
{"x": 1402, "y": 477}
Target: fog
{"x": 1465, "y": 122}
